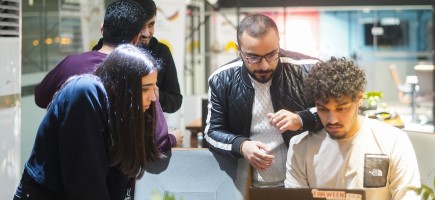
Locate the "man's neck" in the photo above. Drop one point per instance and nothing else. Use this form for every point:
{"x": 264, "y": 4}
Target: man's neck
{"x": 106, "y": 49}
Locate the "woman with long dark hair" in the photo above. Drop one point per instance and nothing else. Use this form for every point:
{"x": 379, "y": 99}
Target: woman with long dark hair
{"x": 98, "y": 132}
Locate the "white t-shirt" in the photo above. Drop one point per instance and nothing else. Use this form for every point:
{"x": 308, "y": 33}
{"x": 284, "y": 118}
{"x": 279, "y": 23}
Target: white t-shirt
{"x": 379, "y": 158}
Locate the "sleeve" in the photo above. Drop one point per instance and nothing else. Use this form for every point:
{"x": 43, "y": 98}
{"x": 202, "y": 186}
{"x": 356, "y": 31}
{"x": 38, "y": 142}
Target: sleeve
{"x": 162, "y": 138}
{"x": 169, "y": 88}
{"x": 83, "y": 149}
{"x": 296, "y": 176}
{"x": 310, "y": 120}
{"x": 45, "y": 90}
{"x": 216, "y": 134}
{"x": 405, "y": 171}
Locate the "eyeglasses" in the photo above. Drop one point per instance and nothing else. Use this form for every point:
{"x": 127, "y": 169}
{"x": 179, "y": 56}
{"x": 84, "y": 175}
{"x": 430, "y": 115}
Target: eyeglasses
{"x": 257, "y": 59}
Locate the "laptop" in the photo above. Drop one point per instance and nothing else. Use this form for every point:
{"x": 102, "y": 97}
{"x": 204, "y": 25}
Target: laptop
{"x": 305, "y": 194}
{"x": 194, "y": 174}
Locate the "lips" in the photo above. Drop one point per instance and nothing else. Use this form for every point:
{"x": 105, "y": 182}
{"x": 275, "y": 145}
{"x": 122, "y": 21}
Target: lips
{"x": 333, "y": 128}
{"x": 262, "y": 73}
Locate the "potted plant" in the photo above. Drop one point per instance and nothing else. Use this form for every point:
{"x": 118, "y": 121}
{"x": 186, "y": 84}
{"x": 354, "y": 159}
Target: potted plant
{"x": 425, "y": 191}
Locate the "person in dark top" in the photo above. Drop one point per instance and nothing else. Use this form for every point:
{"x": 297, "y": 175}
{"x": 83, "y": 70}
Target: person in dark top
{"x": 168, "y": 87}
{"x": 169, "y": 93}
{"x": 98, "y": 132}
{"x": 122, "y": 24}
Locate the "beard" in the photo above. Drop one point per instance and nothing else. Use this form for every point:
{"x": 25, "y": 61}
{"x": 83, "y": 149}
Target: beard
{"x": 262, "y": 76}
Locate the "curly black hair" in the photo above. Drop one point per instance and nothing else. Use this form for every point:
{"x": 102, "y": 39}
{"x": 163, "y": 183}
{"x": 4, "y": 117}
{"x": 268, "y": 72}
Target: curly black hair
{"x": 335, "y": 79}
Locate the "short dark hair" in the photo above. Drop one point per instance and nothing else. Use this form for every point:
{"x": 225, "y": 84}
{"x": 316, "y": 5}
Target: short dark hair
{"x": 132, "y": 130}
{"x": 335, "y": 78}
{"x": 255, "y": 25}
{"x": 123, "y": 21}
{"x": 149, "y": 6}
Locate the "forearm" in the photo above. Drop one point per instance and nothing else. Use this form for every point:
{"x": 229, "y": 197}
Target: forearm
{"x": 310, "y": 120}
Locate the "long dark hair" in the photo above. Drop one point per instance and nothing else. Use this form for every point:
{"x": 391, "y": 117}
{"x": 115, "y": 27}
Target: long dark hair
{"x": 131, "y": 129}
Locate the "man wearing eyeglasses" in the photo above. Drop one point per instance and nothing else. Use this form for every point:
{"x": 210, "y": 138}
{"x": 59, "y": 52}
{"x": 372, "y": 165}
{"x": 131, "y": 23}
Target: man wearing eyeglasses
{"x": 256, "y": 102}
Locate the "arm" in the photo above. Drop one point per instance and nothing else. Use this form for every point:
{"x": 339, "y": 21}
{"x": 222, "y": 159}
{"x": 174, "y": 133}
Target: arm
{"x": 309, "y": 117}
{"x": 83, "y": 149}
{"x": 164, "y": 140}
{"x": 405, "y": 171}
{"x": 217, "y": 133}
{"x": 169, "y": 88}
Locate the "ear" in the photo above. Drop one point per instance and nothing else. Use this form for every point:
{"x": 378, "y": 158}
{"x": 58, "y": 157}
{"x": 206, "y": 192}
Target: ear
{"x": 101, "y": 28}
{"x": 238, "y": 50}
{"x": 360, "y": 98}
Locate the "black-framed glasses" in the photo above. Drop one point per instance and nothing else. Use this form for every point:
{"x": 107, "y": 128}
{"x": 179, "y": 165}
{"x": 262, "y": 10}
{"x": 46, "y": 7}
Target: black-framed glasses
{"x": 257, "y": 59}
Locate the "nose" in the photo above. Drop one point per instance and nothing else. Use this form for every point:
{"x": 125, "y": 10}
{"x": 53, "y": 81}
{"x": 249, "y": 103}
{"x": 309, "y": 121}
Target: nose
{"x": 145, "y": 32}
{"x": 332, "y": 119}
{"x": 263, "y": 64}
{"x": 153, "y": 96}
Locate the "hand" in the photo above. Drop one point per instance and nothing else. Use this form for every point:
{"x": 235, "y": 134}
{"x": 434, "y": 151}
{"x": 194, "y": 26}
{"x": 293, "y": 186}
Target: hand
{"x": 285, "y": 120}
{"x": 179, "y": 137}
{"x": 255, "y": 153}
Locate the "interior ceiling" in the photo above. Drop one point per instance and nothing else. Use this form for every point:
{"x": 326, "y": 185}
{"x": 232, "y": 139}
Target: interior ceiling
{"x": 316, "y": 3}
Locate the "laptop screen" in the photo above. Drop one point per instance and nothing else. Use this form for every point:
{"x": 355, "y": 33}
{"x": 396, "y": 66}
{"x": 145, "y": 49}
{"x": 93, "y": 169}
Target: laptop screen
{"x": 305, "y": 194}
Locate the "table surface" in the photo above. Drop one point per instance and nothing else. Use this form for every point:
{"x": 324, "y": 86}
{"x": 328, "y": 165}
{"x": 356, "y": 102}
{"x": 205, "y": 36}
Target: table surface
{"x": 194, "y": 127}
{"x": 195, "y": 124}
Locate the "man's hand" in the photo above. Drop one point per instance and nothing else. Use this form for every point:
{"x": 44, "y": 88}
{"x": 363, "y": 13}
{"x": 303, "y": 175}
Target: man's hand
{"x": 285, "y": 120}
{"x": 255, "y": 153}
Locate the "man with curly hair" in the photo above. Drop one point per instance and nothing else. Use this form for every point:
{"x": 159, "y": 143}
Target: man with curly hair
{"x": 351, "y": 151}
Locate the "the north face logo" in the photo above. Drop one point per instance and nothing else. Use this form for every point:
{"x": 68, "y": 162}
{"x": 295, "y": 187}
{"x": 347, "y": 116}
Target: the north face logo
{"x": 375, "y": 172}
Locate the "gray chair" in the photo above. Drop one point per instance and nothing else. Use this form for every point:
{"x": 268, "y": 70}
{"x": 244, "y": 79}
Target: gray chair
{"x": 195, "y": 174}
{"x": 424, "y": 146}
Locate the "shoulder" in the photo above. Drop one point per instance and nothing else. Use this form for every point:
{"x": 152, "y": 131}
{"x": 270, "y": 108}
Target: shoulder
{"x": 296, "y": 55}
{"x": 227, "y": 70}
{"x": 303, "y": 138}
{"x": 81, "y": 59}
{"x": 80, "y": 86}
{"x": 385, "y": 131}
{"x": 289, "y": 60}
{"x": 297, "y": 61}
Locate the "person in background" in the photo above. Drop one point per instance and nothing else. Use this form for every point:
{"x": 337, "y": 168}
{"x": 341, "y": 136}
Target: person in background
{"x": 98, "y": 132}
{"x": 123, "y": 21}
{"x": 351, "y": 151}
{"x": 253, "y": 100}
{"x": 168, "y": 87}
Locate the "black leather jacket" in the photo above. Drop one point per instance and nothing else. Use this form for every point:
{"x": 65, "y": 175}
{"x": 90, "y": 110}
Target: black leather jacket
{"x": 231, "y": 97}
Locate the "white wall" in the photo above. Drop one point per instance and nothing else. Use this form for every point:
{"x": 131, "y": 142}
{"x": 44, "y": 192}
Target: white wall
{"x": 10, "y": 113}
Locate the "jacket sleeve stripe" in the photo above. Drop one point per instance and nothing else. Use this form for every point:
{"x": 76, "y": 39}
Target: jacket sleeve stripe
{"x": 211, "y": 141}
{"x": 298, "y": 62}
{"x": 236, "y": 63}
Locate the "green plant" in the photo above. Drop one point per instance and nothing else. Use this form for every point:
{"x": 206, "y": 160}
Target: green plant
{"x": 425, "y": 191}
{"x": 371, "y": 100}
{"x": 157, "y": 195}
